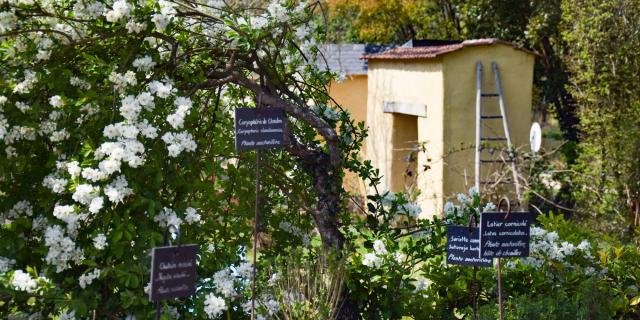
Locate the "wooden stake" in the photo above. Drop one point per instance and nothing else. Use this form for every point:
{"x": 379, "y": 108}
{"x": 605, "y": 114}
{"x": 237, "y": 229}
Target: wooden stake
{"x": 500, "y": 302}
{"x": 255, "y": 238}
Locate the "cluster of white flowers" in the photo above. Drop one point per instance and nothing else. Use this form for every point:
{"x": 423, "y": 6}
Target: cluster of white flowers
{"x": 8, "y": 20}
{"x": 118, "y": 189}
{"x": 90, "y": 10}
{"x": 77, "y": 82}
{"x": 6, "y": 264}
{"x": 130, "y": 151}
{"x": 56, "y": 101}
{"x": 167, "y": 217}
{"x": 122, "y": 81}
{"x": 23, "y": 281}
{"x": 100, "y": 241}
{"x": 120, "y": 11}
{"x": 183, "y": 107}
{"x": 214, "y": 306}
{"x": 20, "y": 209}
{"x": 69, "y": 216}
{"x": 371, "y": 260}
{"x": 245, "y": 270}
{"x": 192, "y": 216}
{"x": 412, "y": 209}
{"x": 376, "y": 258}
{"x": 23, "y": 107}
{"x": 296, "y": 231}
{"x": 144, "y": 64}
{"x": 69, "y": 315}
{"x": 25, "y": 86}
{"x": 55, "y": 183}
{"x": 44, "y": 45}
{"x": 89, "y": 195}
{"x": 379, "y": 247}
{"x": 549, "y": 182}
{"x": 547, "y": 246}
{"x": 161, "y": 89}
{"x": 135, "y": 27}
{"x": 179, "y": 142}
{"x": 326, "y": 112}
{"x": 224, "y": 283}
{"x": 87, "y": 278}
{"x": 62, "y": 249}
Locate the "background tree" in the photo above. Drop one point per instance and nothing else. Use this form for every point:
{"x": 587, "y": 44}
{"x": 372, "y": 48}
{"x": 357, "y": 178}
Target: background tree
{"x": 604, "y": 63}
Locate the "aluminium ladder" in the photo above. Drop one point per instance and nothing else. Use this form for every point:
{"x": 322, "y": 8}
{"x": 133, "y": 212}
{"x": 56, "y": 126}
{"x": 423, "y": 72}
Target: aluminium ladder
{"x": 482, "y": 140}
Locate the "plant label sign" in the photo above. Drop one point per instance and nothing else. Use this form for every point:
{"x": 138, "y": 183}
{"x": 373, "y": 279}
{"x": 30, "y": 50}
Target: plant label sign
{"x": 463, "y": 247}
{"x": 504, "y": 235}
{"x": 173, "y": 272}
{"x": 259, "y": 128}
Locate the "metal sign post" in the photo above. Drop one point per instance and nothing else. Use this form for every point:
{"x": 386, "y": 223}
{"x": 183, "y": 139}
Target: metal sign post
{"x": 173, "y": 270}
{"x": 256, "y": 129}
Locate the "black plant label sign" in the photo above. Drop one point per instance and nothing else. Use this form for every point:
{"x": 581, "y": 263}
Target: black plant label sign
{"x": 463, "y": 247}
{"x": 259, "y": 128}
{"x": 173, "y": 272}
{"x": 505, "y": 234}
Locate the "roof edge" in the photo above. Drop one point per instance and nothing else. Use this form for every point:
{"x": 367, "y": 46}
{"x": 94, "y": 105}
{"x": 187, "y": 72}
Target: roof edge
{"x": 431, "y": 52}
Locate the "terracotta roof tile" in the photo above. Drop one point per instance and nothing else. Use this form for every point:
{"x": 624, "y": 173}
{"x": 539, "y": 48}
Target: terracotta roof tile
{"x": 433, "y": 51}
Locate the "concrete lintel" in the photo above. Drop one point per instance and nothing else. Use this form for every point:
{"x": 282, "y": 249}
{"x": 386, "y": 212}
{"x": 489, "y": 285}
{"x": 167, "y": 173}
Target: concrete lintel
{"x": 412, "y": 109}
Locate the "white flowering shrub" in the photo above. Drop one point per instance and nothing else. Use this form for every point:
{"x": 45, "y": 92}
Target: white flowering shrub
{"x": 116, "y": 121}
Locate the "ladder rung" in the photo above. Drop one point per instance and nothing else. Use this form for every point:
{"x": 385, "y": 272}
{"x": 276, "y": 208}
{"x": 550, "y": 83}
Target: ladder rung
{"x": 491, "y": 117}
{"x": 496, "y": 161}
{"x": 496, "y": 182}
{"x": 489, "y": 94}
{"x": 493, "y": 139}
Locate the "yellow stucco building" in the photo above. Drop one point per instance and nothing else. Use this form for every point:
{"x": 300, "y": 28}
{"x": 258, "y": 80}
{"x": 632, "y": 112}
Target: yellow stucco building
{"x": 424, "y": 93}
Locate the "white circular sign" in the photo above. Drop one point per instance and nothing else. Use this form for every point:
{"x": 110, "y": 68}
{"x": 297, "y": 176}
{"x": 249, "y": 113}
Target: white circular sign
{"x": 535, "y": 137}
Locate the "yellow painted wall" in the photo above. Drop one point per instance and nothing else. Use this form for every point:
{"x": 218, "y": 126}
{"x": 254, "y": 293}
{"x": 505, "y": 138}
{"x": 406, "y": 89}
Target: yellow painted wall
{"x": 516, "y": 73}
{"x": 351, "y": 94}
{"x": 414, "y": 83}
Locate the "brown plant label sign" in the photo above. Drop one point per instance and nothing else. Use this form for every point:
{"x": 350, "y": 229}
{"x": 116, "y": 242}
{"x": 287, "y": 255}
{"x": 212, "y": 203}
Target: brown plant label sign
{"x": 463, "y": 247}
{"x": 259, "y": 128}
{"x": 504, "y": 235}
{"x": 173, "y": 272}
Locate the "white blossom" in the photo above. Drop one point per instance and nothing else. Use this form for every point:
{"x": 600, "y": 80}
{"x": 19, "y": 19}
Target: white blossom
{"x": 192, "y": 216}
{"x": 27, "y": 84}
{"x": 86, "y": 279}
{"x": 167, "y": 217}
{"x": 23, "y": 107}
{"x": 214, "y": 306}
{"x": 179, "y": 142}
{"x": 6, "y": 264}
{"x": 371, "y": 260}
{"x": 20, "y": 209}
{"x": 161, "y": 90}
{"x": 100, "y": 241}
{"x": 96, "y": 204}
{"x": 23, "y": 281}
{"x": 55, "y": 183}
{"x": 135, "y": 27}
{"x": 73, "y": 168}
{"x": 56, "y": 101}
{"x": 379, "y": 247}
{"x": 61, "y": 248}
{"x": 223, "y": 281}
{"x": 120, "y": 10}
{"x": 412, "y": 209}
{"x": 118, "y": 189}
{"x": 85, "y": 193}
{"x": 144, "y": 64}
